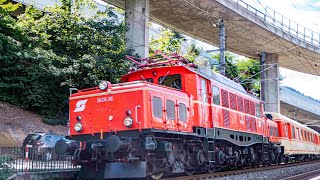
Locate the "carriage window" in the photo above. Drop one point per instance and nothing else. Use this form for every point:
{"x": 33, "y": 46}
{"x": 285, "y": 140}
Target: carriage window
{"x": 297, "y": 133}
{"x": 258, "y": 113}
{"x": 293, "y": 134}
{"x": 173, "y": 81}
{"x": 182, "y": 112}
{"x": 286, "y": 130}
{"x": 309, "y": 137}
{"x": 216, "y": 95}
{"x": 204, "y": 90}
{"x": 277, "y": 132}
{"x": 157, "y": 107}
{"x": 170, "y": 109}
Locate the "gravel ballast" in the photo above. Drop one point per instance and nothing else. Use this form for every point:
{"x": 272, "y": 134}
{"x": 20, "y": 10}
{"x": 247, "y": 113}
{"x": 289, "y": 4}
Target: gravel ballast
{"x": 274, "y": 174}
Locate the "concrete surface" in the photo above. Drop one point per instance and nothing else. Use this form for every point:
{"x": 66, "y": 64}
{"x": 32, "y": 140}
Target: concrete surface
{"x": 248, "y": 31}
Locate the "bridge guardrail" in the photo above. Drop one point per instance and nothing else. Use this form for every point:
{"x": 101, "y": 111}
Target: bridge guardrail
{"x": 284, "y": 24}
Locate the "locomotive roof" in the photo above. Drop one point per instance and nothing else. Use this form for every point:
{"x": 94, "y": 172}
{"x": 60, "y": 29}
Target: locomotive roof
{"x": 220, "y": 78}
{"x": 208, "y": 74}
{"x": 291, "y": 121}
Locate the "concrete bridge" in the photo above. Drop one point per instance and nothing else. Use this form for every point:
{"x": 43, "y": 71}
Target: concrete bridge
{"x": 299, "y": 107}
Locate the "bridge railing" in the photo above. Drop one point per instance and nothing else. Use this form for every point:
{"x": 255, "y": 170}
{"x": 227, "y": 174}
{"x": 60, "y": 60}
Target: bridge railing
{"x": 19, "y": 159}
{"x": 277, "y": 20}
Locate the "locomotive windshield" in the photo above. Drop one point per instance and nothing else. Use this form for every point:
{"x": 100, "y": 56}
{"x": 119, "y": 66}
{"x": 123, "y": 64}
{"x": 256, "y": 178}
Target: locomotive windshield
{"x": 173, "y": 81}
{"x": 150, "y": 80}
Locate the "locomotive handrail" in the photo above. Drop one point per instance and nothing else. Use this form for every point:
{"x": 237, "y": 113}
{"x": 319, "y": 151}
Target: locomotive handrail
{"x": 137, "y": 121}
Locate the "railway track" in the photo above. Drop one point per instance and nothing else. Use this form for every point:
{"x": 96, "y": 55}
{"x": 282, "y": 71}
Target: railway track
{"x": 246, "y": 171}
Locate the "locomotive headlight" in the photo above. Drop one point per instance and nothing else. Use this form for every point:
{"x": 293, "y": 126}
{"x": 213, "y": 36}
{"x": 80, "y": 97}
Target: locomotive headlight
{"x": 103, "y": 85}
{"x": 78, "y": 127}
{"x": 128, "y": 122}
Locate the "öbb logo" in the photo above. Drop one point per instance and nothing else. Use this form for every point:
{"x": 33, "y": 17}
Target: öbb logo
{"x": 81, "y": 105}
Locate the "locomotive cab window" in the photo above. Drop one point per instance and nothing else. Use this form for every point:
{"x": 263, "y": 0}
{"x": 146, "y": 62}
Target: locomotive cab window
{"x": 150, "y": 80}
{"x": 216, "y": 95}
{"x": 173, "y": 81}
{"x": 170, "y": 110}
{"x": 182, "y": 112}
{"x": 157, "y": 107}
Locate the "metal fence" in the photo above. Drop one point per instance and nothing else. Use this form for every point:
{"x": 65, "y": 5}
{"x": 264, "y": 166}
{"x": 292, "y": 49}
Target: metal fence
{"x": 277, "y": 20}
{"x": 18, "y": 159}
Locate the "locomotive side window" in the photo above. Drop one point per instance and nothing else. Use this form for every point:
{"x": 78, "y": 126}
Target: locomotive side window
{"x": 182, "y": 112}
{"x": 240, "y": 103}
{"x": 216, "y": 95}
{"x": 258, "y": 113}
{"x": 225, "y": 98}
{"x": 170, "y": 110}
{"x": 173, "y": 81}
{"x": 246, "y": 106}
{"x": 157, "y": 107}
{"x": 233, "y": 102}
{"x": 252, "y": 108}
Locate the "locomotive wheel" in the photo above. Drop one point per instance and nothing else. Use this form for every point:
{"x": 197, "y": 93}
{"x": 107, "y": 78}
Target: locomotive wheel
{"x": 212, "y": 170}
{"x": 157, "y": 175}
{"x": 190, "y": 171}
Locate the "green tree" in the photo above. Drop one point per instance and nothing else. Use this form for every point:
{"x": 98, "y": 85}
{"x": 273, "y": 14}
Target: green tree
{"x": 193, "y": 51}
{"x": 43, "y": 54}
{"x": 244, "y": 71}
{"x": 169, "y": 41}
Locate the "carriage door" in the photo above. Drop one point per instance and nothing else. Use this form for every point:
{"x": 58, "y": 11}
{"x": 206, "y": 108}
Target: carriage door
{"x": 204, "y": 103}
{"x": 170, "y": 113}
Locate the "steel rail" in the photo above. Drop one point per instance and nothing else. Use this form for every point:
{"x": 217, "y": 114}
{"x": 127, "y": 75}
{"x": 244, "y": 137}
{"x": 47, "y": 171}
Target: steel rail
{"x": 237, "y": 172}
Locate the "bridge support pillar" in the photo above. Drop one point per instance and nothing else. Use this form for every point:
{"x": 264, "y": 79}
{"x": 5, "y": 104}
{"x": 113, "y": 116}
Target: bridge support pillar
{"x": 137, "y": 20}
{"x": 270, "y": 82}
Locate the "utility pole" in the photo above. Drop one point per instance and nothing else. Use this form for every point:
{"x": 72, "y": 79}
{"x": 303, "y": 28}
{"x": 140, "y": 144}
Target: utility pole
{"x": 222, "y": 35}
{"x": 263, "y": 77}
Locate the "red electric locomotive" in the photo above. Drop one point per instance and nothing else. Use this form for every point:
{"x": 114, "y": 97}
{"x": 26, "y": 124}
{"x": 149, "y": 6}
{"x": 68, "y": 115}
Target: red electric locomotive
{"x": 167, "y": 117}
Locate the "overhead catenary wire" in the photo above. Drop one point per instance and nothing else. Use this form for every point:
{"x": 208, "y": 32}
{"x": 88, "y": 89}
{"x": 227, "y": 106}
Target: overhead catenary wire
{"x": 245, "y": 30}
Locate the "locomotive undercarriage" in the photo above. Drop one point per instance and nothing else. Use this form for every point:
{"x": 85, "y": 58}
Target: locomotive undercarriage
{"x": 154, "y": 154}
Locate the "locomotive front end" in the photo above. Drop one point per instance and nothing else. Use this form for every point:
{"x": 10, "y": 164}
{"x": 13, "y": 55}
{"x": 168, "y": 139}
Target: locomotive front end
{"x": 106, "y": 127}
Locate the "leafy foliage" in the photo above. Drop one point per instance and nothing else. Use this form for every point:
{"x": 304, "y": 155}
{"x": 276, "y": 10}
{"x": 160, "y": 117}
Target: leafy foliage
{"x": 43, "y": 54}
{"x": 245, "y": 71}
{"x": 169, "y": 41}
{"x": 5, "y": 168}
